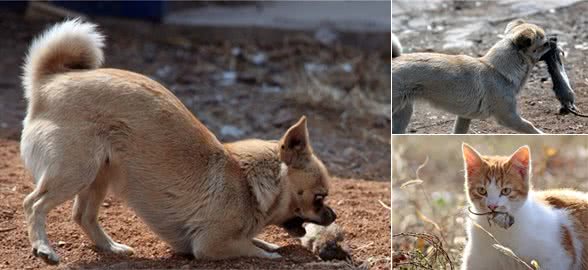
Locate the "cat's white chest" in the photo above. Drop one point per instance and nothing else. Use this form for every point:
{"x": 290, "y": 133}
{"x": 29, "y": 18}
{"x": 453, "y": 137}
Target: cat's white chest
{"x": 536, "y": 235}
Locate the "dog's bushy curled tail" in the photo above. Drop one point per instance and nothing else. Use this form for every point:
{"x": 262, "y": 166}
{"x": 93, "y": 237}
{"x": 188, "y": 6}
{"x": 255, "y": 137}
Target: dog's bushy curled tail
{"x": 70, "y": 45}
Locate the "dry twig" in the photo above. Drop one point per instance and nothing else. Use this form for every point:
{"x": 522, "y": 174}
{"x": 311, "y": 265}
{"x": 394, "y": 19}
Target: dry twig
{"x": 7, "y": 229}
{"x": 419, "y": 260}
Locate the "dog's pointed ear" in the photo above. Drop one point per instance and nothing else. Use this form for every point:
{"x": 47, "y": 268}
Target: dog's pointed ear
{"x": 524, "y": 39}
{"x": 295, "y": 149}
{"x": 513, "y": 24}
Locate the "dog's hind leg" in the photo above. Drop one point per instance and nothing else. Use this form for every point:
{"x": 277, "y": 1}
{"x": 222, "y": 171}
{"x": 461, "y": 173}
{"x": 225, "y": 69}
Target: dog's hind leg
{"x": 85, "y": 213}
{"x": 64, "y": 164}
{"x": 462, "y": 125}
{"x": 401, "y": 119}
{"x": 53, "y": 188}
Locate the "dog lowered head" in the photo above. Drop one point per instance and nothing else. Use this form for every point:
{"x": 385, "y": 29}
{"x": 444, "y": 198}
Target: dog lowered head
{"x": 309, "y": 181}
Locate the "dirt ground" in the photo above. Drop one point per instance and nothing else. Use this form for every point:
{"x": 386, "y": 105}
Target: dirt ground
{"x": 238, "y": 91}
{"x": 360, "y": 214}
{"x": 536, "y": 102}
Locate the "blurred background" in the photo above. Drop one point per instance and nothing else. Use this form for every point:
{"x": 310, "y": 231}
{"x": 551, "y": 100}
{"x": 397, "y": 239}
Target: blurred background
{"x": 434, "y": 203}
{"x": 245, "y": 69}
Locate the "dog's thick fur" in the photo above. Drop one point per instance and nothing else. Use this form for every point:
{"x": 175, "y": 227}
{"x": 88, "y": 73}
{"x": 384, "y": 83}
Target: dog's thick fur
{"x": 89, "y": 129}
{"x": 471, "y": 88}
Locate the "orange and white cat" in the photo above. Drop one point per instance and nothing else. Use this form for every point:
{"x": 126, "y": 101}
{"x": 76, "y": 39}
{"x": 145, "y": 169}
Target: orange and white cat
{"x": 550, "y": 226}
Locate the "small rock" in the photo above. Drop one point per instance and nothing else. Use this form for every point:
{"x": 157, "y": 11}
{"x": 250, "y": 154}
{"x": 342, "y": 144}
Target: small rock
{"x": 326, "y": 36}
{"x": 61, "y": 244}
{"x": 231, "y": 131}
{"x": 258, "y": 59}
{"x": 347, "y": 67}
{"x": 236, "y": 51}
{"x": 311, "y": 68}
{"x": 227, "y": 78}
{"x": 265, "y": 88}
{"x": 164, "y": 72}
{"x": 276, "y": 80}
{"x": 583, "y": 46}
{"x": 348, "y": 151}
{"x": 106, "y": 204}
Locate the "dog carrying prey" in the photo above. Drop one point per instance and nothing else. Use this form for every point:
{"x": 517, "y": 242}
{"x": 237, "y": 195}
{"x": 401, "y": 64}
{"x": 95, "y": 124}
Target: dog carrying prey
{"x": 471, "y": 88}
{"x": 89, "y": 130}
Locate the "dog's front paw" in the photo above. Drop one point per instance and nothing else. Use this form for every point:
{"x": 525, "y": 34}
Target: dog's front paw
{"x": 273, "y": 255}
{"x": 265, "y": 245}
{"x": 46, "y": 253}
{"x": 119, "y": 249}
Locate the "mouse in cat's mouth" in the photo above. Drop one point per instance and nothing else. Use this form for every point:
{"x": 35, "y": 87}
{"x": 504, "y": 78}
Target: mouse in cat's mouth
{"x": 502, "y": 219}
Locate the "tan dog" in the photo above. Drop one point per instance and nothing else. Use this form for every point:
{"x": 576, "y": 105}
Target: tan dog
{"x": 471, "y": 88}
{"x": 89, "y": 129}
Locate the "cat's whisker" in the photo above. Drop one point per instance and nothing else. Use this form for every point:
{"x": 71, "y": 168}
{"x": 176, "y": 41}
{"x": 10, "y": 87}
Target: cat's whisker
{"x": 485, "y": 213}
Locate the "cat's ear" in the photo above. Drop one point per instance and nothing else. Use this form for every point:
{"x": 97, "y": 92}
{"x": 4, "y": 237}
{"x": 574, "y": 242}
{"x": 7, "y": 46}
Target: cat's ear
{"x": 520, "y": 160}
{"x": 472, "y": 159}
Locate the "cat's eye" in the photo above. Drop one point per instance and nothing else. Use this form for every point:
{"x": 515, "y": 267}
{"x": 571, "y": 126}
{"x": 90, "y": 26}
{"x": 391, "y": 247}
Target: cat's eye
{"x": 505, "y": 191}
{"x": 481, "y": 190}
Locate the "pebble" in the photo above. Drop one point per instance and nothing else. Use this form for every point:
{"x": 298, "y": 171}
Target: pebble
{"x": 348, "y": 151}
{"x": 163, "y": 71}
{"x": 232, "y": 131}
{"x": 326, "y": 36}
{"x": 228, "y": 78}
{"x": 259, "y": 58}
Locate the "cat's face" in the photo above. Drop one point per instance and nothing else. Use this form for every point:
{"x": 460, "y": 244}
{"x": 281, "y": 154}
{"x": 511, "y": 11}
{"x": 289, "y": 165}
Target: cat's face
{"x": 498, "y": 183}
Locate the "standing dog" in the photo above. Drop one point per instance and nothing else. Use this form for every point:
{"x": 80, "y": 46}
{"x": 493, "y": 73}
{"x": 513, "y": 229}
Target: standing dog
{"x": 471, "y": 88}
{"x": 89, "y": 129}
